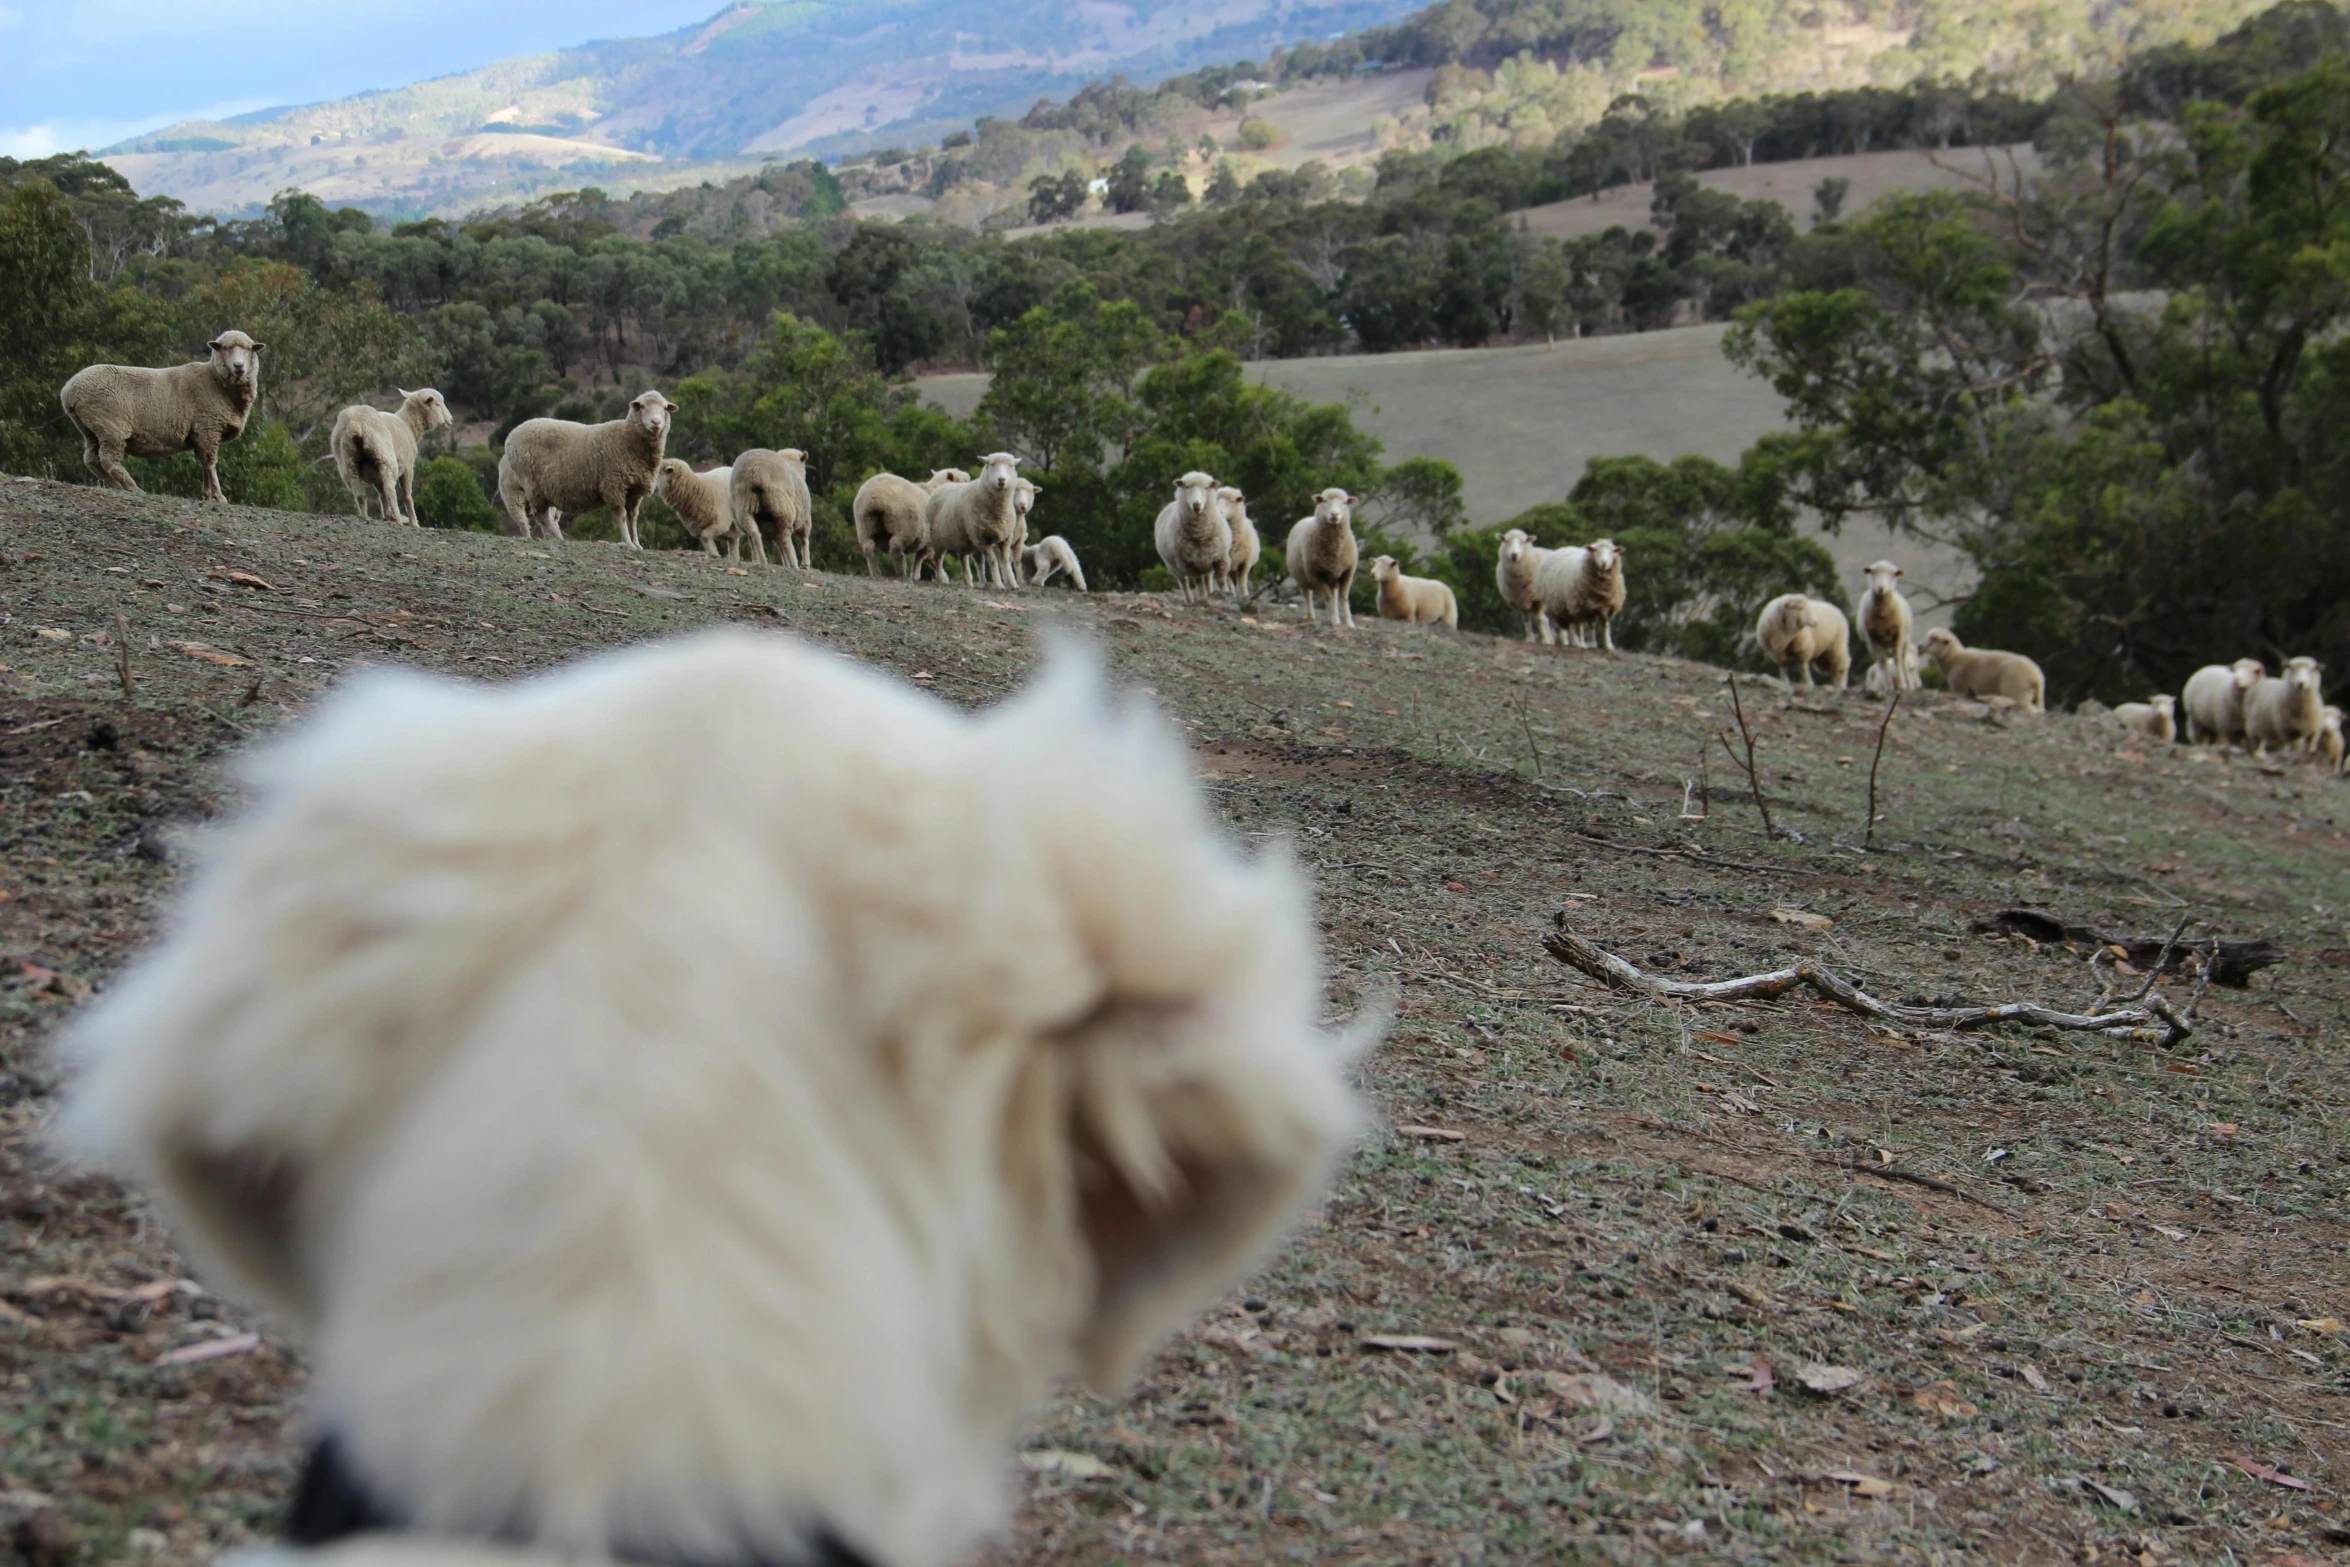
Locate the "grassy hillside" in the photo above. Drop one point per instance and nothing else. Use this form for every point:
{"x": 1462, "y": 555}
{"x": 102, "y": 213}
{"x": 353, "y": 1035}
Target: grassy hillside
{"x": 2085, "y": 1285}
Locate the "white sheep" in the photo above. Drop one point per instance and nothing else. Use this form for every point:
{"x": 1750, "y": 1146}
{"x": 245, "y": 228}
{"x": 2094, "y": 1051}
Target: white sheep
{"x": 771, "y": 488}
{"x": 1246, "y": 547}
{"x": 976, "y": 520}
{"x": 1420, "y": 600}
{"x": 888, "y": 517}
{"x": 704, "y": 505}
{"x": 195, "y": 407}
{"x": 1810, "y": 633}
{"x": 1579, "y": 588}
{"x": 1886, "y": 626}
{"x": 2286, "y": 709}
{"x": 2155, "y": 718}
{"x": 1514, "y": 573}
{"x": 1042, "y": 561}
{"x": 375, "y": 451}
{"x": 2328, "y": 744}
{"x": 1985, "y": 672}
{"x": 2213, "y": 700}
{"x": 1321, "y": 554}
{"x": 1194, "y": 536}
{"x": 642, "y": 1191}
{"x": 553, "y": 468}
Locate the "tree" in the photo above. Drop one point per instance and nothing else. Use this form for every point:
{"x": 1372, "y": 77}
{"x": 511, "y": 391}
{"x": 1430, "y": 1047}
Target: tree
{"x": 1421, "y": 495}
{"x": 1063, "y": 380}
{"x": 1053, "y": 197}
{"x": 1129, "y": 183}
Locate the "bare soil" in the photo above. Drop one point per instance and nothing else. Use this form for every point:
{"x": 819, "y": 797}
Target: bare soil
{"x": 2081, "y": 1288}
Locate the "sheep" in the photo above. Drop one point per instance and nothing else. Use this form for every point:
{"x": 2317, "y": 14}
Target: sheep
{"x": 772, "y": 487}
{"x": 1521, "y": 558}
{"x": 1194, "y": 536}
{"x": 1039, "y": 562}
{"x": 1321, "y": 554}
{"x": 2328, "y": 744}
{"x": 1246, "y": 547}
{"x": 1810, "y": 632}
{"x": 2286, "y": 709}
{"x": 1984, "y": 673}
{"x": 704, "y": 504}
{"x": 1886, "y": 625}
{"x": 1420, "y": 600}
{"x": 1578, "y": 587}
{"x": 648, "y": 1192}
{"x": 194, "y": 407}
{"x": 888, "y": 516}
{"x": 555, "y": 469}
{"x": 2155, "y": 718}
{"x": 976, "y": 517}
{"x": 375, "y": 451}
{"x": 2213, "y": 700}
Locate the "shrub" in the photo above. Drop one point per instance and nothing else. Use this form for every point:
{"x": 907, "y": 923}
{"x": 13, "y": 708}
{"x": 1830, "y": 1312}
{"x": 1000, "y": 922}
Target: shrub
{"x": 448, "y": 495}
{"x": 1257, "y": 134}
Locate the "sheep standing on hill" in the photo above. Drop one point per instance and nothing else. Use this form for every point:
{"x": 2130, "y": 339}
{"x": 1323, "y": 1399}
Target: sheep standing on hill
{"x": 1810, "y": 633}
{"x": 196, "y": 407}
{"x": 375, "y": 451}
{"x": 555, "y": 469}
{"x": 1420, "y": 600}
{"x": 976, "y": 520}
{"x": 1985, "y": 672}
{"x": 1321, "y": 555}
{"x": 2329, "y": 740}
{"x": 2214, "y": 700}
{"x": 1246, "y": 547}
{"x": 2287, "y": 709}
{"x": 1195, "y": 537}
{"x": 704, "y": 505}
{"x": 2155, "y": 718}
{"x": 1042, "y": 561}
{"x": 1579, "y": 588}
{"x": 771, "y": 487}
{"x": 1514, "y": 572}
{"x": 888, "y": 516}
{"x": 1886, "y": 625}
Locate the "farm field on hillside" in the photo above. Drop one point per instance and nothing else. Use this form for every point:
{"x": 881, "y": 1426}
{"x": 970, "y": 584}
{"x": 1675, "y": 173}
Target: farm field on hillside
{"x": 1615, "y": 1279}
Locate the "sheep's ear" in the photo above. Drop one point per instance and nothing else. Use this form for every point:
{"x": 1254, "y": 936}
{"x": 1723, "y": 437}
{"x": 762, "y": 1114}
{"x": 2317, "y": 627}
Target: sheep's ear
{"x": 259, "y": 347}
{"x": 672, "y": 407}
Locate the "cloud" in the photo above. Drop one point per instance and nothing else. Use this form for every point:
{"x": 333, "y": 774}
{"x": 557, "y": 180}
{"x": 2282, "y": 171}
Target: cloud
{"x": 43, "y": 137}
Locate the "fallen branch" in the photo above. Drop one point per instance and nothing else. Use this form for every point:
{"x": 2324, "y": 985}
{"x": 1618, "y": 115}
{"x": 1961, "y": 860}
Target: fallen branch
{"x": 2154, "y": 1022}
{"x": 1894, "y": 1172}
{"x": 1868, "y": 835}
{"x": 2230, "y": 963}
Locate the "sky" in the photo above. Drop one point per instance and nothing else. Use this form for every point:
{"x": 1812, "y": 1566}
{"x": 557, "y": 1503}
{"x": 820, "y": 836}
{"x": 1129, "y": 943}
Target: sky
{"x": 86, "y": 73}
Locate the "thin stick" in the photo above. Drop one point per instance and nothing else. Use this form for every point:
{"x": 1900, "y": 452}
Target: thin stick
{"x": 1894, "y": 1172}
{"x": 1869, "y": 833}
{"x": 1527, "y": 724}
{"x": 122, "y": 653}
{"x": 1753, "y": 774}
{"x": 1705, "y": 788}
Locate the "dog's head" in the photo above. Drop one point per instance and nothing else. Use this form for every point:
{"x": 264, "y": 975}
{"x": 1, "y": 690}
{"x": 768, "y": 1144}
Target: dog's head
{"x": 683, "y": 1180}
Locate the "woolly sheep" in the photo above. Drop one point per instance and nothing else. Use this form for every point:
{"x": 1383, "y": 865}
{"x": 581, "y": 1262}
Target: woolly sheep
{"x": 1514, "y": 572}
{"x": 704, "y": 503}
{"x": 1042, "y": 561}
{"x": 1321, "y": 554}
{"x": 2213, "y": 700}
{"x": 1580, "y": 587}
{"x": 2155, "y": 718}
{"x": 1194, "y": 536}
{"x": 771, "y": 487}
{"x": 2286, "y": 709}
{"x": 888, "y": 517}
{"x": 636, "y": 1196}
{"x": 555, "y": 469}
{"x": 1886, "y": 626}
{"x": 1984, "y": 672}
{"x": 1246, "y": 548}
{"x": 375, "y": 451}
{"x": 2328, "y": 744}
{"x": 976, "y": 517}
{"x": 194, "y": 407}
{"x": 1421, "y": 600}
{"x": 1810, "y": 633}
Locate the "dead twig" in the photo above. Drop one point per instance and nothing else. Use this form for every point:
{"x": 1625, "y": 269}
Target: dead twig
{"x": 1869, "y": 832}
{"x": 2156, "y": 1022}
{"x": 1753, "y": 774}
{"x": 1697, "y": 857}
{"x": 1894, "y": 1172}
{"x": 122, "y": 653}
{"x": 1527, "y": 724}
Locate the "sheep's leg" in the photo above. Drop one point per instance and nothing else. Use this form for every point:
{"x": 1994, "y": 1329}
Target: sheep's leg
{"x": 1344, "y": 597}
{"x": 387, "y": 491}
{"x": 1607, "y": 633}
{"x": 208, "y": 455}
{"x": 408, "y": 493}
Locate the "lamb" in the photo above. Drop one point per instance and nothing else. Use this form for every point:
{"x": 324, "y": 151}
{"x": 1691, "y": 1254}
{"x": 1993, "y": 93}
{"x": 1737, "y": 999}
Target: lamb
{"x": 1579, "y": 587}
{"x": 1983, "y": 672}
{"x": 1246, "y": 548}
{"x": 375, "y": 451}
{"x": 1812, "y": 633}
{"x": 1194, "y": 536}
{"x": 2286, "y": 709}
{"x": 1420, "y": 600}
{"x": 1040, "y": 562}
{"x": 2155, "y": 718}
{"x": 649, "y": 1193}
{"x": 1321, "y": 554}
{"x": 888, "y": 516}
{"x": 2328, "y": 744}
{"x": 554, "y": 468}
{"x": 771, "y": 487}
{"x": 2214, "y": 700}
{"x": 1886, "y": 625}
{"x": 194, "y": 407}
{"x": 1521, "y": 559}
{"x": 976, "y": 517}
{"x": 704, "y": 503}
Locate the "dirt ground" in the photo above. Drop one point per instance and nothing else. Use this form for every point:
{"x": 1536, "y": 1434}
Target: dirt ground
{"x": 1616, "y": 1279}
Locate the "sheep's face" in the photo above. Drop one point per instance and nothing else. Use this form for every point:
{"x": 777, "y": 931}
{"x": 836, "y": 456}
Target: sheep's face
{"x": 794, "y": 456}
{"x": 236, "y": 359}
{"x": 1939, "y": 644}
{"x": 435, "y": 409}
{"x": 1024, "y": 496}
{"x": 949, "y": 476}
{"x": 670, "y": 1181}
{"x": 2162, "y": 703}
{"x": 1334, "y": 508}
{"x": 1605, "y": 555}
{"x": 2249, "y": 672}
{"x": 2303, "y": 674}
{"x": 650, "y": 413}
{"x": 1881, "y": 575}
{"x": 999, "y": 471}
{"x": 1514, "y": 546}
{"x": 673, "y": 472}
{"x": 1194, "y": 493}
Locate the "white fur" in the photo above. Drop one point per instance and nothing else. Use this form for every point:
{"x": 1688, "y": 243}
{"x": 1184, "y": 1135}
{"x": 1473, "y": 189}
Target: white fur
{"x": 1809, "y": 633}
{"x": 1886, "y": 625}
{"x": 1194, "y": 537}
{"x": 2213, "y": 700}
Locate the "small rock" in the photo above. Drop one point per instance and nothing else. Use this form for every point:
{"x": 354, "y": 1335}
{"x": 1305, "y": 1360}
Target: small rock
{"x": 45, "y": 1538}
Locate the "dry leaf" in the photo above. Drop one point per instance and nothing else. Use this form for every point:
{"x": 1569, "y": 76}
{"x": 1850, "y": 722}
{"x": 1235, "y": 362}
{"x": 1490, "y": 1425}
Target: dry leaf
{"x": 212, "y": 1349}
{"x": 210, "y": 654}
{"x": 1817, "y": 1378}
{"x": 2223, "y": 1128}
{"x": 2166, "y": 1232}
{"x": 1806, "y": 919}
{"x": 1748, "y": 1293}
{"x": 2320, "y": 1324}
{"x": 1741, "y": 1104}
{"x": 1942, "y": 1398}
{"x": 243, "y": 579}
{"x": 1597, "y": 1390}
{"x": 1862, "y": 1485}
{"x": 52, "y": 634}
{"x": 1408, "y": 1343}
{"x": 1763, "y": 1381}
{"x": 1717, "y": 1038}
{"x": 2112, "y": 1495}
{"x": 1598, "y": 1433}
{"x": 1432, "y": 1134}
{"x": 2032, "y": 1377}
{"x": 1069, "y": 1466}
{"x": 2260, "y": 1471}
